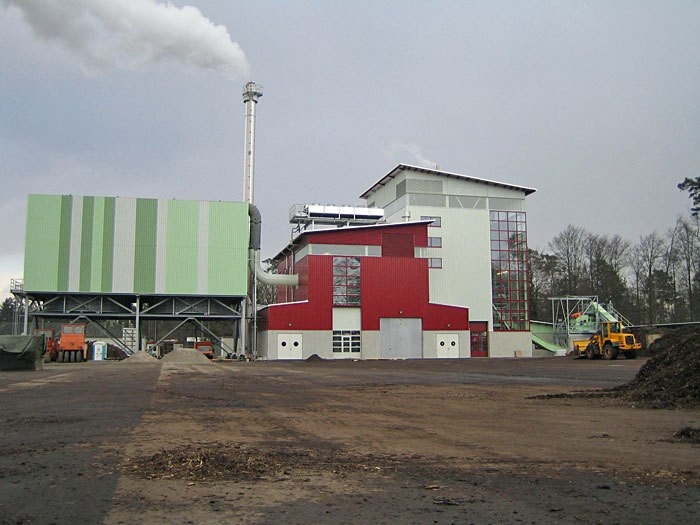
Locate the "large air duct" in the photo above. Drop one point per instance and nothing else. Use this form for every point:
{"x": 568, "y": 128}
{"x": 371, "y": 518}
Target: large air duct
{"x": 260, "y": 274}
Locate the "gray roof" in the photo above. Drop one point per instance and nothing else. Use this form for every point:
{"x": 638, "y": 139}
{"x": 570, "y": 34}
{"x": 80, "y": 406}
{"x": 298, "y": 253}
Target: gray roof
{"x": 407, "y": 167}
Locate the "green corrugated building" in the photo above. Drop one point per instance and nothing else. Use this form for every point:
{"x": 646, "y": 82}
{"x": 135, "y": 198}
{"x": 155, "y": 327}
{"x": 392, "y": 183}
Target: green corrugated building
{"x": 135, "y": 246}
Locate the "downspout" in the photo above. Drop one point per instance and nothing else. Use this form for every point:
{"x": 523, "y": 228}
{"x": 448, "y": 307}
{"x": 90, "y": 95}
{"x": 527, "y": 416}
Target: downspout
{"x": 260, "y": 274}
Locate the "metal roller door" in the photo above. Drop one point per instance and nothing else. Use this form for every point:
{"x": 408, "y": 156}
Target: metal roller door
{"x": 400, "y": 338}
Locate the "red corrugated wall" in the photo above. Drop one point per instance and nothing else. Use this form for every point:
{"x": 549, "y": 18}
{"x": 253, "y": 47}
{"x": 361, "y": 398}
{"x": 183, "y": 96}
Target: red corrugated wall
{"x": 398, "y": 287}
{"x": 390, "y": 286}
{"x": 369, "y": 236}
{"x": 316, "y": 287}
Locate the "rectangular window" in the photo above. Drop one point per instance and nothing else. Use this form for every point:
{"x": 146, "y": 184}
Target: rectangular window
{"x": 346, "y": 341}
{"x": 346, "y": 281}
{"x": 434, "y": 242}
{"x": 434, "y": 262}
{"x": 437, "y": 221}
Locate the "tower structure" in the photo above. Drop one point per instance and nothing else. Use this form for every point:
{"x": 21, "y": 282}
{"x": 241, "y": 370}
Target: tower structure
{"x": 251, "y": 94}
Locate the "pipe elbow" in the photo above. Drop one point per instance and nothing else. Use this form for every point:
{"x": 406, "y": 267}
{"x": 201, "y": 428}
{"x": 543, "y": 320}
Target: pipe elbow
{"x": 276, "y": 279}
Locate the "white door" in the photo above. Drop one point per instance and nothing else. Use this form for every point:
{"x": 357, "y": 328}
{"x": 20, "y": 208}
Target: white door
{"x": 447, "y": 346}
{"x": 289, "y": 346}
{"x": 400, "y": 338}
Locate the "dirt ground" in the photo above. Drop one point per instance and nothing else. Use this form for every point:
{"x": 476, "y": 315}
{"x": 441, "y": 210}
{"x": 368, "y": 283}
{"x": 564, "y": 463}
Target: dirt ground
{"x": 424, "y": 442}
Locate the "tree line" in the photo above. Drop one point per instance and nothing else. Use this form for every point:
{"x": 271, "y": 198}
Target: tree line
{"x": 653, "y": 281}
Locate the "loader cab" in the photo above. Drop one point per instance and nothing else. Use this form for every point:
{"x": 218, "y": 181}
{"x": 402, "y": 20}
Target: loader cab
{"x": 610, "y": 328}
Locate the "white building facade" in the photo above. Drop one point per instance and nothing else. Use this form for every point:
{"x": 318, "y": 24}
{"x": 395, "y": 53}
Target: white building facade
{"x": 477, "y": 249}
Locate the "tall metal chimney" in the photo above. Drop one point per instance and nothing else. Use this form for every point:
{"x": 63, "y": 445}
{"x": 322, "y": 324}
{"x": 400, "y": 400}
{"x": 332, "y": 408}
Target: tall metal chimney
{"x": 251, "y": 93}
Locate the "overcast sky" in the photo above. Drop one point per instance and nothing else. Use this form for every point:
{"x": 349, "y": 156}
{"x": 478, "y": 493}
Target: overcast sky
{"x": 594, "y": 103}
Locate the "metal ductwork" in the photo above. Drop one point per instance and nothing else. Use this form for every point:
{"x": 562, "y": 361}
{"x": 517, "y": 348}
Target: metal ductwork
{"x": 251, "y": 94}
{"x": 254, "y": 245}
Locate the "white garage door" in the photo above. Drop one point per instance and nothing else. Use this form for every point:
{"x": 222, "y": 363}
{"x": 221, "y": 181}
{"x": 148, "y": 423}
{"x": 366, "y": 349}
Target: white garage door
{"x": 400, "y": 338}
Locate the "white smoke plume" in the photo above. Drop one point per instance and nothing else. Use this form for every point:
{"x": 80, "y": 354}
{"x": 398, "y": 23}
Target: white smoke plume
{"x": 399, "y": 149}
{"x": 107, "y": 34}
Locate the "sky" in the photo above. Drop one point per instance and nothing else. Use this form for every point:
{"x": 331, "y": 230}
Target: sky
{"x": 596, "y": 104}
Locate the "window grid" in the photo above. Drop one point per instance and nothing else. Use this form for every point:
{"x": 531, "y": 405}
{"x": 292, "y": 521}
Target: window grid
{"x": 346, "y": 281}
{"x": 346, "y": 341}
{"x": 509, "y": 271}
{"x": 479, "y": 344}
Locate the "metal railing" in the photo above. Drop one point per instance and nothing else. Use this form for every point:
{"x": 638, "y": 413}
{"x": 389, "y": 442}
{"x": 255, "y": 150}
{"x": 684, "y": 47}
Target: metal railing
{"x": 16, "y": 285}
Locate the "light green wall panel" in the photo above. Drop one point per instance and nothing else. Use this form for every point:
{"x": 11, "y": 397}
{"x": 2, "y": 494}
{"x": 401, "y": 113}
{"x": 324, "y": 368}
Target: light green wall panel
{"x": 228, "y": 247}
{"x": 86, "y": 244}
{"x": 43, "y": 264}
{"x": 145, "y": 246}
{"x": 139, "y": 246}
{"x": 182, "y": 247}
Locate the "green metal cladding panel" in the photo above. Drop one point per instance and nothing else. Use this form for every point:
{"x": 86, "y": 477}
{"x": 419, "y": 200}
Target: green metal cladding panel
{"x": 135, "y": 246}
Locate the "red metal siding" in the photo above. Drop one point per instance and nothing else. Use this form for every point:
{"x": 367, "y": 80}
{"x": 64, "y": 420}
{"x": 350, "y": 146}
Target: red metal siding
{"x": 398, "y": 287}
{"x": 443, "y": 317}
{"x": 316, "y": 286}
{"x": 297, "y": 316}
{"x": 478, "y": 326}
{"x": 397, "y": 245}
{"x": 368, "y": 236}
{"x": 392, "y": 287}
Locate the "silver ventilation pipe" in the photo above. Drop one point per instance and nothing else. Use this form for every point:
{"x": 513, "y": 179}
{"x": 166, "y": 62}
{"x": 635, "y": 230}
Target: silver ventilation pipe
{"x": 251, "y": 93}
{"x": 260, "y": 274}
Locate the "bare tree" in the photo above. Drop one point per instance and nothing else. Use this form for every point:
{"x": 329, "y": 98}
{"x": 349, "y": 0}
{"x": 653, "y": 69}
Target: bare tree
{"x": 569, "y": 247}
{"x": 543, "y": 274}
{"x": 616, "y": 251}
{"x": 648, "y": 256}
{"x": 688, "y": 258}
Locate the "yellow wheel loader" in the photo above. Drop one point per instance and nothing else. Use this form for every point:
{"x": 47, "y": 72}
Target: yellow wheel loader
{"x": 608, "y": 342}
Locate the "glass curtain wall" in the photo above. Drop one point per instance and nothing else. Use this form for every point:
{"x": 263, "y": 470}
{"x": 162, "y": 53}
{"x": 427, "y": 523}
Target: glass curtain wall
{"x": 509, "y": 271}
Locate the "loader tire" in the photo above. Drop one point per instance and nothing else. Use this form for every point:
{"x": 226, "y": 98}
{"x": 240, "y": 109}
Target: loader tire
{"x": 632, "y": 354}
{"x": 610, "y": 352}
{"x": 590, "y": 352}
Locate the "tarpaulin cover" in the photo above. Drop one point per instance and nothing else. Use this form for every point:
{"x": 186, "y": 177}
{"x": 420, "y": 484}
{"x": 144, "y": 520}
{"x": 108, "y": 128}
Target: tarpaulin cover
{"x": 21, "y": 352}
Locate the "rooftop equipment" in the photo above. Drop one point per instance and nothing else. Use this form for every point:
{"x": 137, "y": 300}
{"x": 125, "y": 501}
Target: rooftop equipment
{"x": 305, "y": 216}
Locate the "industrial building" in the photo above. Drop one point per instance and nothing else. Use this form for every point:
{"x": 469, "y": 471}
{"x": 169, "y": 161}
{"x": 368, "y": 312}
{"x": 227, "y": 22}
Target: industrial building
{"x": 438, "y": 238}
{"x": 363, "y": 293}
{"x": 95, "y": 259}
{"x": 434, "y": 266}
{"x": 477, "y": 248}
